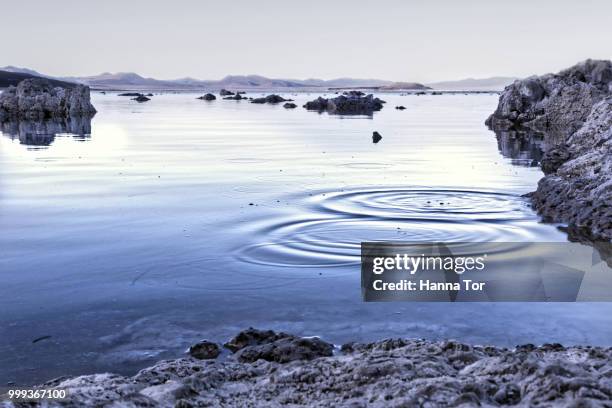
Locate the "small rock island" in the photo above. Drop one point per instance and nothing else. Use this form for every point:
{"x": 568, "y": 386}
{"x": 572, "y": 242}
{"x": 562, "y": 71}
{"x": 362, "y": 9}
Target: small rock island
{"x": 37, "y": 99}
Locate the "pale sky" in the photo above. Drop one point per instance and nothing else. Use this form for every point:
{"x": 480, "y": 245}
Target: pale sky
{"x": 388, "y": 39}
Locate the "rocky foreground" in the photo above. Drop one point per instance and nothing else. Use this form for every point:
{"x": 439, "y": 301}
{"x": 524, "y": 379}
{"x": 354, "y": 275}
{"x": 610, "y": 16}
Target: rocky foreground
{"x": 573, "y": 107}
{"x": 37, "y": 99}
{"x": 277, "y": 369}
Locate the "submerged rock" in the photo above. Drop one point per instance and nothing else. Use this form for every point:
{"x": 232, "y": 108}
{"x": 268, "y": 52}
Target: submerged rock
{"x": 290, "y": 105}
{"x": 207, "y": 97}
{"x": 270, "y": 99}
{"x": 401, "y": 107}
{"x": 573, "y": 107}
{"x": 391, "y": 372}
{"x": 351, "y": 104}
{"x": 204, "y": 350}
{"x": 376, "y": 137}
{"x": 130, "y": 94}
{"x": 37, "y": 99}
{"x": 225, "y": 92}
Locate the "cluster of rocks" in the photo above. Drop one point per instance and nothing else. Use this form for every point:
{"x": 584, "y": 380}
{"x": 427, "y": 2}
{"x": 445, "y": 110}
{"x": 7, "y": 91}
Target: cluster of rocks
{"x": 37, "y": 99}
{"x": 350, "y": 103}
{"x": 277, "y": 369}
{"x": 573, "y": 108}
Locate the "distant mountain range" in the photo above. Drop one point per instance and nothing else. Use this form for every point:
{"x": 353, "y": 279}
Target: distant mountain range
{"x": 133, "y": 81}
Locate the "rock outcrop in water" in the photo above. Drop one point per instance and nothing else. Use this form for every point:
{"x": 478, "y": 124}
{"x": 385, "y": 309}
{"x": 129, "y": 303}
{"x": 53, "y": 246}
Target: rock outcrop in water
{"x": 573, "y": 107}
{"x": 36, "y": 99}
{"x": 282, "y": 369}
{"x": 207, "y": 97}
{"x": 353, "y": 103}
{"x": 270, "y": 99}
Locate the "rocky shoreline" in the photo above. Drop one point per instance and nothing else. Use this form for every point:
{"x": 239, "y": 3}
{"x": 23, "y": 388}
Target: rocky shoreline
{"x": 573, "y": 111}
{"x": 270, "y": 369}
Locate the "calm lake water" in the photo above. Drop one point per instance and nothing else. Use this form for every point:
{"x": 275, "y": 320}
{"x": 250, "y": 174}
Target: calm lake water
{"x": 180, "y": 219}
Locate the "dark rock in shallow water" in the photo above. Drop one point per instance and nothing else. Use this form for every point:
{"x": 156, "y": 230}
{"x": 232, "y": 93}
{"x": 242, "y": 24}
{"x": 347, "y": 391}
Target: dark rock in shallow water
{"x": 37, "y": 99}
{"x": 376, "y": 137}
{"x": 401, "y": 107}
{"x": 392, "y": 372}
{"x": 347, "y": 105}
{"x": 204, "y": 350}
{"x": 270, "y": 99}
{"x": 141, "y": 98}
{"x": 207, "y": 97}
{"x": 574, "y": 107}
{"x": 130, "y": 94}
{"x": 225, "y": 92}
{"x": 290, "y": 105}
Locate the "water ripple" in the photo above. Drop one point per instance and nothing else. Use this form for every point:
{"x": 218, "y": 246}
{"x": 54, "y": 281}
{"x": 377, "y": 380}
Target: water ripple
{"x": 330, "y": 233}
{"x": 426, "y": 204}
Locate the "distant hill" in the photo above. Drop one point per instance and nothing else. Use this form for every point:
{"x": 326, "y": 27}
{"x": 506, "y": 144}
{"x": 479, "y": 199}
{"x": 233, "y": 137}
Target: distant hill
{"x": 399, "y": 86}
{"x": 8, "y": 78}
{"x": 19, "y": 70}
{"x": 344, "y": 83}
{"x": 474, "y": 84}
{"x": 123, "y": 80}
